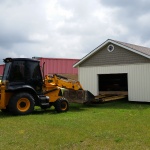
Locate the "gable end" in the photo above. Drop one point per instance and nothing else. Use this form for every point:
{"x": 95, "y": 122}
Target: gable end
{"x": 118, "y": 56}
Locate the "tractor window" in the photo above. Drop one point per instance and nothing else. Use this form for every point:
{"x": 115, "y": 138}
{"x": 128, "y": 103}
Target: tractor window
{"x": 34, "y": 70}
{"x": 35, "y": 77}
{"x": 6, "y": 71}
{"x": 17, "y": 71}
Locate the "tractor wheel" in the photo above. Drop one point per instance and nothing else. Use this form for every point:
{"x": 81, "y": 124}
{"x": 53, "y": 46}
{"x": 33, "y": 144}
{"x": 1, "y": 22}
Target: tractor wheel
{"x": 21, "y": 104}
{"x": 61, "y": 105}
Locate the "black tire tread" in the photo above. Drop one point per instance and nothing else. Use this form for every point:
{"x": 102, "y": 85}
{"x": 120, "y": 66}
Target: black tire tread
{"x": 58, "y": 105}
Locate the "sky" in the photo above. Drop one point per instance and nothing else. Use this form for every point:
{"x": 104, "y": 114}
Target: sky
{"x": 70, "y": 28}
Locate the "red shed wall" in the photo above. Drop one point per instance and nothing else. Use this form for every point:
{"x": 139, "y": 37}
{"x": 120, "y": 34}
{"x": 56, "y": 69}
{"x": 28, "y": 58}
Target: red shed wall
{"x": 59, "y": 65}
{"x": 1, "y": 69}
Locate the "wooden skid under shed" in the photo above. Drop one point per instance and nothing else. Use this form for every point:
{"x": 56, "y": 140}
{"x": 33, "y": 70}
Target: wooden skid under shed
{"x": 111, "y": 95}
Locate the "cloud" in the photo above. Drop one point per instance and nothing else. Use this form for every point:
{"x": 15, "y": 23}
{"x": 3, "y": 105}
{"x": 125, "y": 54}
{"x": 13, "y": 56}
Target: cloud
{"x": 134, "y": 16}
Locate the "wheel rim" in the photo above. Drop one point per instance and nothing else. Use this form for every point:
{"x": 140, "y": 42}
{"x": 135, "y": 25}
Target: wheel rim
{"x": 23, "y": 104}
{"x": 64, "y": 105}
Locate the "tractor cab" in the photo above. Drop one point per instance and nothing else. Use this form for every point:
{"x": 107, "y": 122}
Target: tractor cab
{"x": 19, "y": 72}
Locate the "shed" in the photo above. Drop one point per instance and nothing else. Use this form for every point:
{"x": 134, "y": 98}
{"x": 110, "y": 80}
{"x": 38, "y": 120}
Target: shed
{"x": 116, "y": 66}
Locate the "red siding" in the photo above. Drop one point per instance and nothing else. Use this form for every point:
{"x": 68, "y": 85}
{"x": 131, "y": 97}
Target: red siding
{"x": 1, "y": 69}
{"x": 59, "y": 65}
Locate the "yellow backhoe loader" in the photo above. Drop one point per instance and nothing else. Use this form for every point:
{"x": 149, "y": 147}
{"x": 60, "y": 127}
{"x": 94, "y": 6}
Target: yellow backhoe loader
{"x": 23, "y": 86}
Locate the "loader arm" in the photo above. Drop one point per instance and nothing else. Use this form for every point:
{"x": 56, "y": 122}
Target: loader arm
{"x": 72, "y": 89}
{"x": 64, "y": 82}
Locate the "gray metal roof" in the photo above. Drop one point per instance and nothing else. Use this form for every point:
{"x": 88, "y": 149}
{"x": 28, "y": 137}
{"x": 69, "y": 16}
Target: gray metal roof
{"x": 144, "y": 51}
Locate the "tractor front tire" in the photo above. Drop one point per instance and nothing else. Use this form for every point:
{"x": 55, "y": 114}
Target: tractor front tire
{"x": 21, "y": 104}
{"x": 61, "y": 105}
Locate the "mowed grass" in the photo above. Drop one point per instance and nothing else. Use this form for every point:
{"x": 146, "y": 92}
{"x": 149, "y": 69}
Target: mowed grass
{"x": 116, "y": 125}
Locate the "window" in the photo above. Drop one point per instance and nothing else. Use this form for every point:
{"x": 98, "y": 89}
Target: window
{"x": 17, "y": 71}
{"x": 110, "y": 48}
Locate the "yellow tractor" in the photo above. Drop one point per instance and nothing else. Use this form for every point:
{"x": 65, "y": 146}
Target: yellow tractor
{"x": 23, "y": 87}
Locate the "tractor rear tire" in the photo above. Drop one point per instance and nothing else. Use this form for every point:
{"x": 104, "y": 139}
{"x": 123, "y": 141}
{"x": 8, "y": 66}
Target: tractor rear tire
{"x": 61, "y": 105}
{"x": 21, "y": 104}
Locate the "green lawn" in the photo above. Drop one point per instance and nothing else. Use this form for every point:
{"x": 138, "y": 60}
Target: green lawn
{"x": 117, "y": 125}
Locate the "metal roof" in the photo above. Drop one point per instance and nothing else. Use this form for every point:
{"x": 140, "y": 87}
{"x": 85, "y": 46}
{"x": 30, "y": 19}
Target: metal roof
{"x": 144, "y": 51}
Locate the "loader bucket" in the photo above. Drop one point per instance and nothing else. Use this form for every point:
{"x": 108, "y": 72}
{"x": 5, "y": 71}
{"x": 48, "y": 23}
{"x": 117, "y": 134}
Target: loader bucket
{"x": 79, "y": 96}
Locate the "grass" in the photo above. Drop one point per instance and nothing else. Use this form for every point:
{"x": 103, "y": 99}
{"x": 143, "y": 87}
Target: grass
{"x": 113, "y": 125}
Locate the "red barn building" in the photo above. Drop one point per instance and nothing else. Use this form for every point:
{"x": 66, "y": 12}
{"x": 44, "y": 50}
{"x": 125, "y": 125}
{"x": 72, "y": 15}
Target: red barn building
{"x": 62, "y": 66}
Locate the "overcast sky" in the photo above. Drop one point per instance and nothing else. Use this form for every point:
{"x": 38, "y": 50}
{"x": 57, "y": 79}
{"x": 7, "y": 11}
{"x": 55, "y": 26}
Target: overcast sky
{"x": 70, "y": 28}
